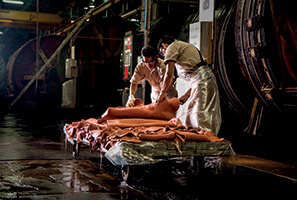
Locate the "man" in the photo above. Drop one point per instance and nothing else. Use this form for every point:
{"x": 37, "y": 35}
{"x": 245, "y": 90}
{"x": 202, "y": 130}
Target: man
{"x": 151, "y": 69}
{"x": 203, "y": 110}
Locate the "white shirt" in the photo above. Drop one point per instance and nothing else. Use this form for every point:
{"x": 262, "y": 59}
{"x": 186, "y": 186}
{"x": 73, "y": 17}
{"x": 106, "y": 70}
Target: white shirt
{"x": 154, "y": 77}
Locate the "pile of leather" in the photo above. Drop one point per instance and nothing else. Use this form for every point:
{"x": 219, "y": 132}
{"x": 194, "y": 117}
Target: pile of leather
{"x": 106, "y": 135}
{"x": 137, "y": 124}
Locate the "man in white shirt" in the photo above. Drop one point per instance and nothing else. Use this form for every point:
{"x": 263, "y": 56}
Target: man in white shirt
{"x": 203, "y": 110}
{"x": 152, "y": 69}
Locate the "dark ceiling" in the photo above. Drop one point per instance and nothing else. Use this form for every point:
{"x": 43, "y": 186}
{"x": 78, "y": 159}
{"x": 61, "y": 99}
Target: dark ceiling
{"x": 46, "y": 6}
{"x": 12, "y": 29}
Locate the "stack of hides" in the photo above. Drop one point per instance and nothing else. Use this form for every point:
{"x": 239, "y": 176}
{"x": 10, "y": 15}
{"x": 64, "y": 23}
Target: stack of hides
{"x": 153, "y": 122}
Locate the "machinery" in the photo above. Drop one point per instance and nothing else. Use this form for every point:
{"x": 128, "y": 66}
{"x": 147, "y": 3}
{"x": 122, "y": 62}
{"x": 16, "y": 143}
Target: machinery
{"x": 133, "y": 42}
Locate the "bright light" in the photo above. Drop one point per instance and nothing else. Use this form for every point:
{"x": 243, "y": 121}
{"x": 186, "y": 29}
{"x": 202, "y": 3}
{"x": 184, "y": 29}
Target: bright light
{"x": 13, "y": 2}
{"x": 1, "y": 32}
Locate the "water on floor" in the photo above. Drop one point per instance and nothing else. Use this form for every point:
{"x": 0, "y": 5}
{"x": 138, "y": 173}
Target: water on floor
{"x": 35, "y": 163}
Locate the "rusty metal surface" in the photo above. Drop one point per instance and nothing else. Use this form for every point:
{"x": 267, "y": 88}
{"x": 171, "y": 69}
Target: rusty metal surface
{"x": 257, "y": 51}
{"x": 21, "y": 67}
{"x": 229, "y": 73}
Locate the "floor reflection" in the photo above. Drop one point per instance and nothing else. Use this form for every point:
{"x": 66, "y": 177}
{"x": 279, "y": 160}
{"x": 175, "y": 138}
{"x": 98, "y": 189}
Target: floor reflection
{"x": 60, "y": 177}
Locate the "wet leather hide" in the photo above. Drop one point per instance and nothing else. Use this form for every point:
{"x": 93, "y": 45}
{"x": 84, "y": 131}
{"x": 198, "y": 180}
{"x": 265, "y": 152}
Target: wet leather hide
{"x": 153, "y": 122}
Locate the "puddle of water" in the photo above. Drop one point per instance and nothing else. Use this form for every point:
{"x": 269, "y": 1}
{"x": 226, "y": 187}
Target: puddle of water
{"x": 26, "y": 179}
{"x": 35, "y": 165}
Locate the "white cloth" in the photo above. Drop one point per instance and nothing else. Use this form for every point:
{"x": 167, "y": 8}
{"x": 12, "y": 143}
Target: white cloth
{"x": 182, "y": 87}
{"x": 204, "y": 104}
{"x": 154, "y": 77}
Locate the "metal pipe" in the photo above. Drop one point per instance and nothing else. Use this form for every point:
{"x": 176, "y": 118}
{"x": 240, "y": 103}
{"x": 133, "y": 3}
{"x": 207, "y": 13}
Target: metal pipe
{"x": 131, "y": 13}
{"x": 147, "y": 21}
{"x": 101, "y": 38}
{"x": 146, "y": 27}
{"x": 37, "y": 44}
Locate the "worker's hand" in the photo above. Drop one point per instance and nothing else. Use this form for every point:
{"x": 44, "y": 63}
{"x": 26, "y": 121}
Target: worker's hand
{"x": 182, "y": 99}
{"x": 162, "y": 96}
{"x": 130, "y": 102}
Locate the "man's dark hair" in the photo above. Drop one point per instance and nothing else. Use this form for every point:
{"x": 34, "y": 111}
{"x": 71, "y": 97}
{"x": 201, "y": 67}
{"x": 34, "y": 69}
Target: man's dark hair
{"x": 148, "y": 51}
{"x": 165, "y": 39}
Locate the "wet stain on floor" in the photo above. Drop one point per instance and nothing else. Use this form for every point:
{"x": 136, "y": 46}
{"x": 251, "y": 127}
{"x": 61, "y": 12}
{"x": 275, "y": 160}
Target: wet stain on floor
{"x": 34, "y": 164}
{"x": 61, "y": 179}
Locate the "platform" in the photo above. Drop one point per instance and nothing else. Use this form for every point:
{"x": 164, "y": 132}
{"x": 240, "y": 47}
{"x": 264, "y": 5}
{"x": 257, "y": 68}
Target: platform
{"x": 148, "y": 152}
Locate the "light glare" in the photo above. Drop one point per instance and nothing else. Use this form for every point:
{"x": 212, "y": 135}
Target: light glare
{"x": 13, "y": 2}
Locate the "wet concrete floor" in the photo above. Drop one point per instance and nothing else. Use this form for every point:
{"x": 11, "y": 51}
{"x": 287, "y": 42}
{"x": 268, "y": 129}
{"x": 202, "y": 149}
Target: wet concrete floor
{"x": 35, "y": 164}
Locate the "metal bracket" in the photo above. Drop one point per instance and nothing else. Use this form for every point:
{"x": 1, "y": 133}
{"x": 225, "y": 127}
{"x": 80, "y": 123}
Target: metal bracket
{"x": 252, "y": 23}
{"x": 257, "y": 51}
{"x": 44, "y": 58}
{"x": 266, "y": 90}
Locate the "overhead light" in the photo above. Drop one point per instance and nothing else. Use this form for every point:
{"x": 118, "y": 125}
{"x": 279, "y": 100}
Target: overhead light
{"x": 1, "y": 32}
{"x": 13, "y": 2}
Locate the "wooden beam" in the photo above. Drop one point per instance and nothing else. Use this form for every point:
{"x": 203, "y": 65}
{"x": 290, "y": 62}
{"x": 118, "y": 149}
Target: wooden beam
{"x": 27, "y": 20}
